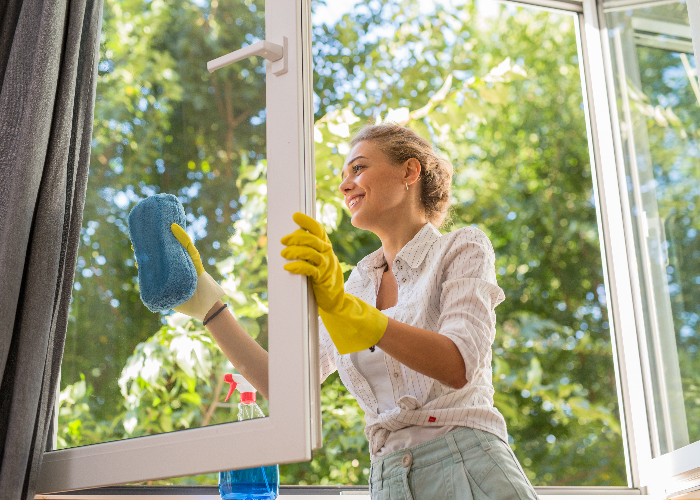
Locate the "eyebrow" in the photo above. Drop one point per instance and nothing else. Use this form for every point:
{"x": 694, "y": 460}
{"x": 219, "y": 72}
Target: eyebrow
{"x": 351, "y": 162}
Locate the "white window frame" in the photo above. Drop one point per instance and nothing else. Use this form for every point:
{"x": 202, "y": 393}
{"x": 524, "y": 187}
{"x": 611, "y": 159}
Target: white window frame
{"x": 596, "y": 85}
{"x": 293, "y": 426}
{"x": 678, "y": 472}
{"x": 293, "y": 429}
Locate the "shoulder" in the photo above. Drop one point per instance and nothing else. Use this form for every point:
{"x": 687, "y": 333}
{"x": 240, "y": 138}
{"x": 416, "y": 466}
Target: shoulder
{"x": 465, "y": 252}
{"x": 466, "y": 239}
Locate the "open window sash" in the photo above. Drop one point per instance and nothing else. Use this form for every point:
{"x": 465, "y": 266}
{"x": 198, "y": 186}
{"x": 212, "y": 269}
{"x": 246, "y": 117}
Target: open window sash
{"x": 293, "y": 427}
{"x": 677, "y": 472}
{"x": 663, "y": 457}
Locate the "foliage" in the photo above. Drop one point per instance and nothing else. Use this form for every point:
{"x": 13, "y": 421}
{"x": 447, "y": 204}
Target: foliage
{"x": 159, "y": 126}
{"x": 499, "y": 95}
{"x": 344, "y": 458}
{"x": 77, "y": 424}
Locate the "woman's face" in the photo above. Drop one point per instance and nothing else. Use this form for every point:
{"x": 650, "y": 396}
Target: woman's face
{"x": 374, "y": 189}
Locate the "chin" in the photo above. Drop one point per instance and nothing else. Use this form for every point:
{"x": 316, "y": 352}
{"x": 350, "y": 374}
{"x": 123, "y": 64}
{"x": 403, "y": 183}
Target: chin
{"x": 358, "y": 221}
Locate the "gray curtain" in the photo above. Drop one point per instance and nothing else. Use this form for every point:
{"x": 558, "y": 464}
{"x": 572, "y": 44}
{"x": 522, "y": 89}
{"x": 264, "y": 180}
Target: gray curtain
{"x": 48, "y": 66}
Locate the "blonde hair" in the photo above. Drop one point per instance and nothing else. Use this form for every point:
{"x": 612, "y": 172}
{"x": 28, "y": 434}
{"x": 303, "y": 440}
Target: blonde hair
{"x": 400, "y": 144}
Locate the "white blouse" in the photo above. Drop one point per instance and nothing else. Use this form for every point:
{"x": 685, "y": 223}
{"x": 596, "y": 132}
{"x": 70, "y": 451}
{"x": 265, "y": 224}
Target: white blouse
{"x": 447, "y": 284}
{"x": 372, "y": 367}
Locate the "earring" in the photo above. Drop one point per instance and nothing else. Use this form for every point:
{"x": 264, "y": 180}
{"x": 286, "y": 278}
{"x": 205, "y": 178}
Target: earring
{"x": 407, "y": 186}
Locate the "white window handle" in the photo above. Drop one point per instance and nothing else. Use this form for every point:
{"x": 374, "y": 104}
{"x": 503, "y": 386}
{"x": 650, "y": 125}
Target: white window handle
{"x": 276, "y": 54}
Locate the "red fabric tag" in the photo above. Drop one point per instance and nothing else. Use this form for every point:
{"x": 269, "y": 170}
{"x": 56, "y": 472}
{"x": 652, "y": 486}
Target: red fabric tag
{"x": 431, "y": 419}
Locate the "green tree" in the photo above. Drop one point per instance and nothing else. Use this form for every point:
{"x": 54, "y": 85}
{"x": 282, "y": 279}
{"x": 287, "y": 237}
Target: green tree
{"x": 499, "y": 95}
{"x": 161, "y": 125}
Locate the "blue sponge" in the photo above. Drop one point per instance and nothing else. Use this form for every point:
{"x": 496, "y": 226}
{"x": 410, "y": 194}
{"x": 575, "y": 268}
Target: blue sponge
{"x": 167, "y": 277}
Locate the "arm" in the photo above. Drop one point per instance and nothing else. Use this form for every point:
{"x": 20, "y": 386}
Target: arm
{"x": 243, "y": 352}
{"x": 469, "y": 294}
{"x": 426, "y": 352}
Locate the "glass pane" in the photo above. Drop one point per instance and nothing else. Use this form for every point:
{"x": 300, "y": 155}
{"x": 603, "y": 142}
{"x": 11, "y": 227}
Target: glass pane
{"x": 163, "y": 124}
{"x": 497, "y": 89}
{"x": 658, "y": 105}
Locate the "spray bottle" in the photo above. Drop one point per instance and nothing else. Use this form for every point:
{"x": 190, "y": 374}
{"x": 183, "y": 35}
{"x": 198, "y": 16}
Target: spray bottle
{"x": 259, "y": 483}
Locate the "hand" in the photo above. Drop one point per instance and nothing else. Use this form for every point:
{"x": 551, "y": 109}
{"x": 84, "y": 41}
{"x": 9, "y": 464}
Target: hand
{"x": 208, "y": 291}
{"x": 352, "y": 324}
{"x": 312, "y": 246}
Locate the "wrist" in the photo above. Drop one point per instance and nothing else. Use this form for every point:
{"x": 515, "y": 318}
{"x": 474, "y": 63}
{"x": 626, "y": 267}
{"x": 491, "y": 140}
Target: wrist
{"x": 214, "y": 315}
{"x": 206, "y": 296}
{"x": 217, "y": 305}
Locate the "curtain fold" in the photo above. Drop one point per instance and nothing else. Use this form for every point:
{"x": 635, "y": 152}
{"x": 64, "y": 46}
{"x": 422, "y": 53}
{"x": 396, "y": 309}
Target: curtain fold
{"x": 48, "y": 66}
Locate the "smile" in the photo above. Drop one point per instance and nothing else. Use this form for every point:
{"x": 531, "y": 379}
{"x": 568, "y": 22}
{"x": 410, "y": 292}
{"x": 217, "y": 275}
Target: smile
{"x": 355, "y": 201}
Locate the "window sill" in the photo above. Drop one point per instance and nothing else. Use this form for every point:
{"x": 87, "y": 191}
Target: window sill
{"x": 305, "y": 492}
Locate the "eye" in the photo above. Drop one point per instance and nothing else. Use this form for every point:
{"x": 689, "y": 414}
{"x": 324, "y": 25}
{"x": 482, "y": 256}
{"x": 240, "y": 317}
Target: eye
{"x": 355, "y": 168}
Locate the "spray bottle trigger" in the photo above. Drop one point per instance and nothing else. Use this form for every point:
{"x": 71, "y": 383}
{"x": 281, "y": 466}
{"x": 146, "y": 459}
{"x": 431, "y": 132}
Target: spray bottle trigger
{"x": 228, "y": 378}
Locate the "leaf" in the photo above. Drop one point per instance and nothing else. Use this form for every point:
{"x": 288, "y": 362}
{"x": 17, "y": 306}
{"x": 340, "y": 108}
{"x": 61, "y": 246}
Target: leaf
{"x": 534, "y": 374}
{"x": 498, "y": 94}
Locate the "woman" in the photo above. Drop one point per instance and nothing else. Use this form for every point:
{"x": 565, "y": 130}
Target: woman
{"x": 410, "y": 332}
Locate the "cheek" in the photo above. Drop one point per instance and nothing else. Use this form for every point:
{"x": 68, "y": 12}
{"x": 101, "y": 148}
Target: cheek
{"x": 379, "y": 182}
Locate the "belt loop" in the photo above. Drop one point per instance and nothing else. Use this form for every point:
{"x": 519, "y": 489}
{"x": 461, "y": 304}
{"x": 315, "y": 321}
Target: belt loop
{"x": 483, "y": 439}
{"x": 453, "y": 447}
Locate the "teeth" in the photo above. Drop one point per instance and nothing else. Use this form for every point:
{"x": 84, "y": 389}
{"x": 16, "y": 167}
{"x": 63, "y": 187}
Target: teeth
{"x": 355, "y": 200}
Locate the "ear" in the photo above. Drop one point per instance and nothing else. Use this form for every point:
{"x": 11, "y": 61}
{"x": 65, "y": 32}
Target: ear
{"x": 412, "y": 171}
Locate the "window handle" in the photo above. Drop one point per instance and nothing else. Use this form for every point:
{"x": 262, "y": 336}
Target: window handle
{"x": 276, "y": 55}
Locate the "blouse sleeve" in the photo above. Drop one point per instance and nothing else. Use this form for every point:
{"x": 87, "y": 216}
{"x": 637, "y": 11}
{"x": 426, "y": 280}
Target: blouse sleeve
{"x": 469, "y": 296}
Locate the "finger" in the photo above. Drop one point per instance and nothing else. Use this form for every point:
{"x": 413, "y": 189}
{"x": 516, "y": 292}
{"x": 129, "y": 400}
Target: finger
{"x": 298, "y": 232}
{"x": 186, "y": 242}
{"x": 302, "y": 238}
{"x": 181, "y": 235}
{"x": 304, "y": 268}
{"x": 302, "y": 253}
{"x": 311, "y": 225}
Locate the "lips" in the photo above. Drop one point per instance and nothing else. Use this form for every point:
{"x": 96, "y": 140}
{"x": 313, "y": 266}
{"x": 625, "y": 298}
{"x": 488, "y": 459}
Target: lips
{"x": 355, "y": 200}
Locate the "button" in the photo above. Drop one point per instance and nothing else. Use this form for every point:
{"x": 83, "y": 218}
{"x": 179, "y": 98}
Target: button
{"x": 407, "y": 460}
{"x": 396, "y": 374}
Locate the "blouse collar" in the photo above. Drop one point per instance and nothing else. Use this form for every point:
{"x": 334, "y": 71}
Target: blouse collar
{"x": 413, "y": 252}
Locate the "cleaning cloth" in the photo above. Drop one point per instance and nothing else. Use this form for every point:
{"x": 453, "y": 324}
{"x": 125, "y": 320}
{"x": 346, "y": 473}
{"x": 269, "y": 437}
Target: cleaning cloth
{"x": 167, "y": 276}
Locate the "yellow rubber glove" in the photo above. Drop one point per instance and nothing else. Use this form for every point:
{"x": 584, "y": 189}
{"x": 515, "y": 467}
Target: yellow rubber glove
{"x": 352, "y": 324}
{"x": 208, "y": 291}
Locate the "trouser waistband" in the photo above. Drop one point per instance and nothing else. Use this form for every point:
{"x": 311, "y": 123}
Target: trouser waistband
{"x": 454, "y": 444}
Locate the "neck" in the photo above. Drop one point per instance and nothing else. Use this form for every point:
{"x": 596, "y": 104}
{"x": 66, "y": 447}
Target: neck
{"x": 395, "y": 238}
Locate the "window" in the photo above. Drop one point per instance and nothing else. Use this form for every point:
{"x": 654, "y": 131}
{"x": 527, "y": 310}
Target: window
{"x": 497, "y": 88}
{"x": 544, "y": 107}
{"x": 165, "y": 125}
{"x": 656, "y": 89}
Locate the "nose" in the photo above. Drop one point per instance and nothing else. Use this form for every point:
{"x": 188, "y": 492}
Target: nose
{"x": 346, "y": 185}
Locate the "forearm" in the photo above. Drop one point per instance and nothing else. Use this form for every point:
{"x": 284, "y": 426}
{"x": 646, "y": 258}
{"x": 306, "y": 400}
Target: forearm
{"x": 424, "y": 351}
{"x": 245, "y": 354}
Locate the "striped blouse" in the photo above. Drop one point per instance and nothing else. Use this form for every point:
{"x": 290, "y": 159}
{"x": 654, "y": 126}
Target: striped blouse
{"x": 447, "y": 284}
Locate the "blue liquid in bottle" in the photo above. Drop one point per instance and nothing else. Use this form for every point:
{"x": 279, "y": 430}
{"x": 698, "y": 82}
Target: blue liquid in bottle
{"x": 259, "y": 483}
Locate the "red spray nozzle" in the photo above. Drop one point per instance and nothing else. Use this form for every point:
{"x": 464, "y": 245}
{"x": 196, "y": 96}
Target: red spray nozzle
{"x": 228, "y": 378}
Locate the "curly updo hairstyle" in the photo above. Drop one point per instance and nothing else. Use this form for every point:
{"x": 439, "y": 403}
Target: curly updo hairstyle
{"x": 399, "y": 144}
